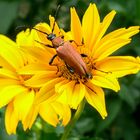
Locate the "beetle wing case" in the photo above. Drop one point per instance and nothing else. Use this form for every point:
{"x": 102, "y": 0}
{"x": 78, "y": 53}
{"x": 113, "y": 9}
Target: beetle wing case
{"x": 71, "y": 57}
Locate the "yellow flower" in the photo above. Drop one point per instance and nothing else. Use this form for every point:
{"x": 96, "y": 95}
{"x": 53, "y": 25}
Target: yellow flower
{"x": 71, "y": 88}
{"x": 13, "y": 92}
{"x": 22, "y": 100}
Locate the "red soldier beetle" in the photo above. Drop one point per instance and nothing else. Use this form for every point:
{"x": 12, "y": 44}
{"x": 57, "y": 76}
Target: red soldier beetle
{"x": 64, "y": 50}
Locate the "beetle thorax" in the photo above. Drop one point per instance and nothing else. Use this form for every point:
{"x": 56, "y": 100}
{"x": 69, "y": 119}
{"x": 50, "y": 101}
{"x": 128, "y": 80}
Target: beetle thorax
{"x": 57, "y": 41}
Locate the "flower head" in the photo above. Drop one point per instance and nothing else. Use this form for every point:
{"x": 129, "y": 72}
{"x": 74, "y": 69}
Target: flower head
{"x": 62, "y": 79}
{"x": 46, "y": 76}
{"x": 24, "y": 102}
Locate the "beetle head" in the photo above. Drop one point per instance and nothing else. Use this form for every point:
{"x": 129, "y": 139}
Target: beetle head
{"x": 51, "y": 36}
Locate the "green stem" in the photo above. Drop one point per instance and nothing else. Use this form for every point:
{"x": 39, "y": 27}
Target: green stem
{"x": 73, "y": 120}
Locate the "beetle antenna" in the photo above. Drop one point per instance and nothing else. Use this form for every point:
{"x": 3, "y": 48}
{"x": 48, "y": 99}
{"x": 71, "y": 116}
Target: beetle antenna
{"x": 56, "y": 13}
{"x": 22, "y": 27}
{"x": 40, "y": 31}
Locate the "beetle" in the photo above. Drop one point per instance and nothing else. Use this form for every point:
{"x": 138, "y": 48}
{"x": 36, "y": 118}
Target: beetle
{"x": 64, "y": 50}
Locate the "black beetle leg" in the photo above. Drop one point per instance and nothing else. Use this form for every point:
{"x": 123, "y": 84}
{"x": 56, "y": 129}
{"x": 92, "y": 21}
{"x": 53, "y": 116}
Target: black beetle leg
{"x": 75, "y": 42}
{"x": 51, "y": 60}
{"x": 83, "y": 55}
{"x": 69, "y": 68}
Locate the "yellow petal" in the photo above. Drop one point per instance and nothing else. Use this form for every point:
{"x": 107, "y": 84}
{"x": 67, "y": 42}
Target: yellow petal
{"x": 43, "y": 37}
{"x": 11, "y": 121}
{"x": 54, "y": 25}
{"x": 4, "y": 63}
{"x": 66, "y": 90}
{"x": 113, "y": 41}
{"x": 109, "y": 47}
{"x": 119, "y": 65}
{"x": 76, "y": 28}
{"x": 30, "y": 118}
{"x": 5, "y": 73}
{"x": 90, "y": 24}
{"x": 10, "y": 52}
{"x": 6, "y": 82}
{"x": 103, "y": 27}
{"x": 63, "y": 111}
{"x": 76, "y": 95}
{"x": 105, "y": 81}
{"x": 26, "y": 38}
{"x": 40, "y": 79}
{"x": 48, "y": 113}
{"x": 121, "y": 33}
{"x": 34, "y": 68}
{"x": 40, "y": 54}
{"x": 95, "y": 97}
{"x": 23, "y": 103}
{"x": 7, "y": 40}
{"x": 47, "y": 91}
{"x": 9, "y": 92}
{"x": 60, "y": 87}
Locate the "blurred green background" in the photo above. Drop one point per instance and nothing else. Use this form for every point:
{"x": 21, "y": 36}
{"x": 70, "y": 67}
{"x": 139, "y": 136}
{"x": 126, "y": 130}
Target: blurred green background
{"x": 123, "y": 121}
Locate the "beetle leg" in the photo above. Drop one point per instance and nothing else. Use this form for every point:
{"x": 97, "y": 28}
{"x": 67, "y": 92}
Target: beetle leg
{"x": 75, "y": 42}
{"x": 69, "y": 68}
{"x": 83, "y": 55}
{"x": 47, "y": 45}
{"x": 107, "y": 72}
{"x": 89, "y": 75}
{"x": 62, "y": 36}
{"x": 52, "y": 59}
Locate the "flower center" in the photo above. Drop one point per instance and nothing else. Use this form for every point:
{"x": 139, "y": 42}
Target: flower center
{"x": 68, "y": 74}
{"x": 23, "y": 78}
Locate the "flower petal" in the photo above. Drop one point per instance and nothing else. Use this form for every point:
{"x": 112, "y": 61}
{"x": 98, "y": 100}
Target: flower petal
{"x": 40, "y": 53}
{"x": 10, "y": 52}
{"x": 105, "y": 80}
{"x": 5, "y": 64}
{"x": 119, "y": 65}
{"x": 113, "y": 41}
{"x": 22, "y": 104}
{"x": 35, "y": 68}
{"x": 76, "y": 28}
{"x": 63, "y": 111}
{"x": 76, "y": 95}
{"x": 31, "y": 116}
{"x": 121, "y": 33}
{"x": 5, "y": 73}
{"x": 6, "y": 82}
{"x": 95, "y": 97}
{"x": 27, "y": 38}
{"x": 56, "y": 29}
{"x": 60, "y": 87}
{"x": 9, "y": 92}
{"x": 42, "y": 36}
{"x": 66, "y": 91}
{"x": 109, "y": 47}
{"x": 102, "y": 29}
{"x": 48, "y": 113}
{"x": 90, "y": 24}
{"x": 47, "y": 91}
{"x": 40, "y": 79}
{"x": 11, "y": 121}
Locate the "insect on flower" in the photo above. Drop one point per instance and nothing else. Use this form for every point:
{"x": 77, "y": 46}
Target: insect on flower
{"x": 64, "y": 50}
